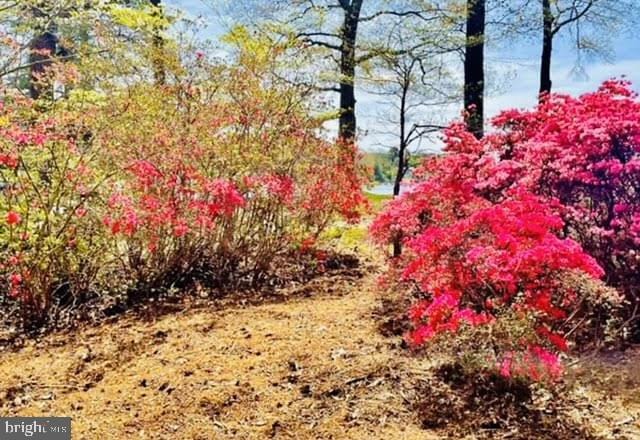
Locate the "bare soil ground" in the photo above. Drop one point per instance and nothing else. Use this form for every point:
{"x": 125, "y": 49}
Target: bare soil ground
{"x": 308, "y": 363}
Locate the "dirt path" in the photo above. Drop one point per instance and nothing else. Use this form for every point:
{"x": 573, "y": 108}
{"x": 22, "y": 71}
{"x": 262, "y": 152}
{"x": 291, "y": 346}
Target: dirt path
{"x": 311, "y": 367}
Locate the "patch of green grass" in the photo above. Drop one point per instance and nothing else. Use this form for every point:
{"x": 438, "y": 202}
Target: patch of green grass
{"x": 346, "y": 236}
{"x": 377, "y": 200}
{"x": 354, "y": 236}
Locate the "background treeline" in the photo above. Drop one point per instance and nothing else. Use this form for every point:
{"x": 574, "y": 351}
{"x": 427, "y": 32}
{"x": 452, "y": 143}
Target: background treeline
{"x": 418, "y": 55}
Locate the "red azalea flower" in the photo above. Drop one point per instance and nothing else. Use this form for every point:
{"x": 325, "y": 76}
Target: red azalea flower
{"x": 13, "y": 218}
{"x": 15, "y": 279}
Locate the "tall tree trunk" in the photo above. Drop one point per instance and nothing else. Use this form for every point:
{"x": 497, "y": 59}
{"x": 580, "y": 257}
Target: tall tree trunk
{"x": 474, "y": 66}
{"x": 347, "y": 121}
{"x": 402, "y": 151}
{"x": 547, "y": 48}
{"x": 43, "y": 49}
{"x": 159, "y": 73}
{"x": 402, "y": 147}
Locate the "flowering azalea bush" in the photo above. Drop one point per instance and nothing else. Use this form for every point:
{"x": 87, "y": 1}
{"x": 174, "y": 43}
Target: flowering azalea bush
{"x": 163, "y": 219}
{"x": 121, "y": 198}
{"x": 50, "y": 228}
{"x": 503, "y": 264}
{"x": 585, "y": 153}
{"x": 522, "y": 228}
{"x": 256, "y": 183}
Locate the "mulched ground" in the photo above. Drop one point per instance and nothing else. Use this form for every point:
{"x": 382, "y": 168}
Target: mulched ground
{"x": 304, "y": 361}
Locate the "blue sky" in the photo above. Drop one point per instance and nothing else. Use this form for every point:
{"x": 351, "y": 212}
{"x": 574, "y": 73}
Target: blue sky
{"x": 511, "y": 71}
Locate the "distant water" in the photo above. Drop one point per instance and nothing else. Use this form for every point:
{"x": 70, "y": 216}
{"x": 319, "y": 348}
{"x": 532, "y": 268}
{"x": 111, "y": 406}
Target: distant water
{"x": 385, "y": 189}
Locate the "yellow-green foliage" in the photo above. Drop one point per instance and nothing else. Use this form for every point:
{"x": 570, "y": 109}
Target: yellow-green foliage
{"x": 146, "y": 19}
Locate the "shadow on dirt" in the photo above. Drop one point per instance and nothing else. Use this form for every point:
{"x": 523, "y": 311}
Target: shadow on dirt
{"x": 489, "y": 406}
{"x": 292, "y": 278}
